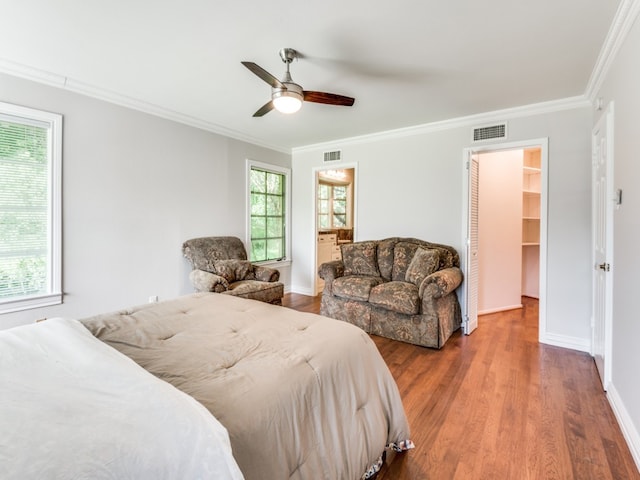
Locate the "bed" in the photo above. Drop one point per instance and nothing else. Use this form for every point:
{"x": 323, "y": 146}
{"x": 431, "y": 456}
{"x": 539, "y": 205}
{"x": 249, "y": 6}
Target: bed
{"x": 301, "y": 396}
{"x": 71, "y": 407}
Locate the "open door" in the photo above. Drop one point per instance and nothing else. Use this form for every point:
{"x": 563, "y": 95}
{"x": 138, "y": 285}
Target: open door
{"x": 471, "y": 320}
{"x": 602, "y": 240}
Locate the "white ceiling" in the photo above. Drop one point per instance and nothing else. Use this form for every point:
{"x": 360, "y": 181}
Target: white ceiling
{"x": 407, "y": 62}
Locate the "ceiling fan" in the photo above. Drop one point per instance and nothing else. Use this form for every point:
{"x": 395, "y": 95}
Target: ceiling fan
{"x": 287, "y": 96}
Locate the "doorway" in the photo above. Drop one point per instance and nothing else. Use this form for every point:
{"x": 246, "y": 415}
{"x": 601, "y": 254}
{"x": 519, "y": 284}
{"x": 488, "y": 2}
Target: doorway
{"x": 505, "y": 229}
{"x": 334, "y": 215}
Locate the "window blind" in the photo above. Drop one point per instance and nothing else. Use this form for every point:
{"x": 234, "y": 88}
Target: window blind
{"x": 24, "y": 208}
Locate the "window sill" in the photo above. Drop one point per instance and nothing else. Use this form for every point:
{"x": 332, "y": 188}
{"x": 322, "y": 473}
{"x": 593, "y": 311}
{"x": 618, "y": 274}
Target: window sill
{"x": 26, "y": 303}
{"x": 274, "y": 263}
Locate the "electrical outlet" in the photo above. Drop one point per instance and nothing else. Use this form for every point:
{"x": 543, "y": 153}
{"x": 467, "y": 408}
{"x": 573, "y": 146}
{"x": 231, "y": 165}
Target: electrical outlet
{"x": 153, "y": 298}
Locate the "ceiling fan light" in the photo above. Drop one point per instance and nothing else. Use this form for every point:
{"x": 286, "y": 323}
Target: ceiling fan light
{"x": 287, "y": 101}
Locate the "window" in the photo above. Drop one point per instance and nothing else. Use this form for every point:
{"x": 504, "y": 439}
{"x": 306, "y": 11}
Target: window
{"x": 332, "y": 206}
{"x": 268, "y": 212}
{"x": 30, "y": 214}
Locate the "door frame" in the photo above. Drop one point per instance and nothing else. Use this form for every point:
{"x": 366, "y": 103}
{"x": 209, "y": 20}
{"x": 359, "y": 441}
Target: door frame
{"x": 543, "y": 144}
{"x": 314, "y": 173}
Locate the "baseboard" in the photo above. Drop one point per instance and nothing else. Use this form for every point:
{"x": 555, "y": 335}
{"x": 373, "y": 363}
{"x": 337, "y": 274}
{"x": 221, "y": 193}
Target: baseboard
{"x": 629, "y": 431}
{"x": 500, "y": 309}
{"x": 302, "y": 290}
{"x": 564, "y": 341}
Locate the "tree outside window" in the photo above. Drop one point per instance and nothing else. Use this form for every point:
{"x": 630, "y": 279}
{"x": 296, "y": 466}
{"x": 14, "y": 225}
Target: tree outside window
{"x": 332, "y": 206}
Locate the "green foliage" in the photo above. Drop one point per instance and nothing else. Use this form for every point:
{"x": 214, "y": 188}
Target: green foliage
{"x": 332, "y": 206}
{"x": 258, "y": 227}
{"x": 275, "y": 248}
{"x": 267, "y": 215}
{"x": 27, "y": 276}
{"x": 23, "y": 141}
{"x": 340, "y": 193}
{"x": 23, "y": 209}
{"x": 258, "y": 250}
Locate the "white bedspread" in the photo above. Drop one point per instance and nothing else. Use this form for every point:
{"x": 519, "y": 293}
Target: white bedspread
{"x": 71, "y": 407}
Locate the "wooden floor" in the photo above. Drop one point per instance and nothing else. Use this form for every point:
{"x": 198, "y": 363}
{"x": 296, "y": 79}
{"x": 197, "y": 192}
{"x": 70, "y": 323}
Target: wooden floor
{"x": 499, "y": 405}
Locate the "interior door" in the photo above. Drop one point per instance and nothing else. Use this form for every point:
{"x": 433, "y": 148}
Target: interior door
{"x": 602, "y": 236}
{"x": 471, "y": 322}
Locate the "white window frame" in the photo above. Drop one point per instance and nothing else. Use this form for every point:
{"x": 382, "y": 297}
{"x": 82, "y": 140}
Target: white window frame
{"x": 347, "y": 214}
{"x": 53, "y": 122}
{"x": 287, "y": 214}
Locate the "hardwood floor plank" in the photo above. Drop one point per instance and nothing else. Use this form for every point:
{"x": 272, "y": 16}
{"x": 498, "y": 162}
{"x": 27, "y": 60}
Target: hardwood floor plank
{"x": 497, "y": 404}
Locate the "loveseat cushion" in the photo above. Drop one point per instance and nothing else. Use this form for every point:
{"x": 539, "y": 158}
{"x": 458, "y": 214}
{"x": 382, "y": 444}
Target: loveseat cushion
{"x": 403, "y": 253}
{"x": 360, "y": 258}
{"x": 399, "y": 297}
{"x": 355, "y": 287}
{"x": 423, "y": 264}
{"x": 385, "y": 257}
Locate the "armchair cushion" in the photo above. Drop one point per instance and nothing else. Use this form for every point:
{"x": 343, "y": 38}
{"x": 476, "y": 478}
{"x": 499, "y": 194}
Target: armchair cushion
{"x": 208, "y": 282}
{"x": 401, "y": 297}
{"x": 360, "y": 259}
{"x": 203, "y": 252}
{"x": 423, "y": 264}
{"x": 233, "y": 270}
{"x": 256, "y": 290}
{"x": 266, "y": 274}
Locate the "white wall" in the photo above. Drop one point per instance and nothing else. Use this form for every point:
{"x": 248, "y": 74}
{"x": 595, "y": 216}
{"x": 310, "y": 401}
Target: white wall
{"x": 135, "y": 187}
{"x": 621, "y": 87}
{"x": 500, "y": 231}
{"x": 410, "y": 184}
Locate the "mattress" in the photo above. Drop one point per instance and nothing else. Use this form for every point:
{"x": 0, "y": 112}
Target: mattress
{"x": 302, "y": 396}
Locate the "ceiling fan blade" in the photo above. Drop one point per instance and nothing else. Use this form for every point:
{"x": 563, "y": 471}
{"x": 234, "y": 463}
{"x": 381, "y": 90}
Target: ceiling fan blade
{"x": 328, "y": 98}
{"x": 264, "y": 75}
{"x": 263, "y": 110}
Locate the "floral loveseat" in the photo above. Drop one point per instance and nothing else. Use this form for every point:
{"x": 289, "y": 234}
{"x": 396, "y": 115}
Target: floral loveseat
{"x": 399, "y": 288}
{"x": 220, "y": 265}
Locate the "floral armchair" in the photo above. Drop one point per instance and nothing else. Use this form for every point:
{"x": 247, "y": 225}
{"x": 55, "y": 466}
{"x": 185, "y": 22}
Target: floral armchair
{"x": 220, "y": 265}
{"x": 399, "y": 288}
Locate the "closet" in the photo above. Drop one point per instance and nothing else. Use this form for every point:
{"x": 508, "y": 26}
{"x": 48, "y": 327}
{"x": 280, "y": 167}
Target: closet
{"x": 531, "y": 222}
{"x": 509, "y": 196}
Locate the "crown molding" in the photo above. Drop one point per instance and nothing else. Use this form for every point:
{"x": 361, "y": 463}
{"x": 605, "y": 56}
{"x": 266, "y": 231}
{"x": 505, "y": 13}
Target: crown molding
{"x": 622, "y": 22}
{"x": 469, "y": 121}
{"x": 75, "y": 86}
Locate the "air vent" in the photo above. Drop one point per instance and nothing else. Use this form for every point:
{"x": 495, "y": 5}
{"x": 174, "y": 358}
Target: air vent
{"x": 334, "y": 156}
{"x": 490, "y": 132}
